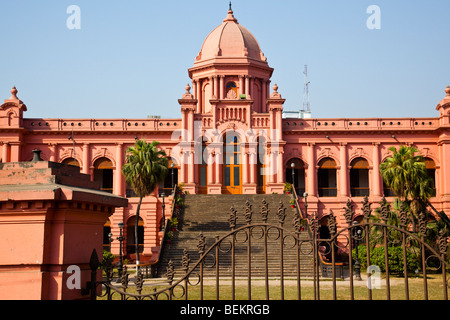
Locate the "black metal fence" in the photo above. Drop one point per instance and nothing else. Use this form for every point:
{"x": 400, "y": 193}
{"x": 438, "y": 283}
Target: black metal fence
{"x": 364, "y": 256}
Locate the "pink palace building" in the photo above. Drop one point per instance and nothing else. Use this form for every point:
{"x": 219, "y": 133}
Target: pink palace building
{"x": 232, "y": 138}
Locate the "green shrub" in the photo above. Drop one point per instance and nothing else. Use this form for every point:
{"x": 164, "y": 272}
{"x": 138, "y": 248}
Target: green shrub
{"x": 108, "y": 258}
{"x": 395, "y": 259}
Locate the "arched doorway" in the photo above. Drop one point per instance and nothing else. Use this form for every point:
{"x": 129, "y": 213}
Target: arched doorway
{"x": 260, "y": 165}
{"x": 359, "y": 178}
{"x": 232, "y": 167}
{"x": 295, "y": 174}
{"x": 326, "y": 178}
{"x": 203, "y": 170}
{"x": 103, "y": 173}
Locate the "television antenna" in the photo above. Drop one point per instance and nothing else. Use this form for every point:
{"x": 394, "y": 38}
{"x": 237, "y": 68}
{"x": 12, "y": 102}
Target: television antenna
{"x": 306, "y": 103}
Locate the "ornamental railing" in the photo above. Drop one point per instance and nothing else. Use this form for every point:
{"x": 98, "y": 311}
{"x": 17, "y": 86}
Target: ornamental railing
{"x": 405, "y": 254}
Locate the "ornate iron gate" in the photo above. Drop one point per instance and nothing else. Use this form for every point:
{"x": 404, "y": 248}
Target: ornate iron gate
{"x": 323, "y": 253}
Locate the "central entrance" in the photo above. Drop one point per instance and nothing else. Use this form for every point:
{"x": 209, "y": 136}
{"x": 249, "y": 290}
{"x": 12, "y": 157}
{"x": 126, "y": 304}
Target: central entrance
{"x": 232, "y": 171}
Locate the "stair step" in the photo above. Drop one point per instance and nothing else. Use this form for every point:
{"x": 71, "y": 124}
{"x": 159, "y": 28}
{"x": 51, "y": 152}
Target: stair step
{"x": 209, "y": 215}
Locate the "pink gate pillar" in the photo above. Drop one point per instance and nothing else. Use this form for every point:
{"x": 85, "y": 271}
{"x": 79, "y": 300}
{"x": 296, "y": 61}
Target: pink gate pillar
{"x": 51, "y": 218}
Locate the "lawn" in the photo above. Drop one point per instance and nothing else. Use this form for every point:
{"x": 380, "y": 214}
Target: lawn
{"x": 361, "y": 292}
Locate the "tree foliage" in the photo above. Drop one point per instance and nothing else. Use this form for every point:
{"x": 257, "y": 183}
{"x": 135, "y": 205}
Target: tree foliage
{"x": 145, "y": 168}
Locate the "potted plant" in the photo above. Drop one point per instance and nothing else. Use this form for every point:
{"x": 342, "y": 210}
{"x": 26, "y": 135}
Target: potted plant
{"x": 287, "y": 187}
{"x": 292, "y": 202}
{"x": 173, "y": 223}
{"x": 179, "y": 202}
{"x": 168, "y": 237}
{"x": 180, "y": 188}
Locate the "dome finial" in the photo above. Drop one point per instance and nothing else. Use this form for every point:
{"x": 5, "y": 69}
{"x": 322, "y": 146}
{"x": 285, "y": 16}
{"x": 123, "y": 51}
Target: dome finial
{"x": 230, "y": 16}
{"x": 14, "y": 93}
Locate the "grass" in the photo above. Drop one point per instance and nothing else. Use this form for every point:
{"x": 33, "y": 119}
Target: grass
{"x": 258, "y": 292}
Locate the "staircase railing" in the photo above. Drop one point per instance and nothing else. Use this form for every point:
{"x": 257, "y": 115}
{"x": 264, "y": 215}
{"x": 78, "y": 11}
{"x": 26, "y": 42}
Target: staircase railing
{"x": 174, "y": 214}
{"x": 322, "y": 257}
{"x": 294, "y": 193}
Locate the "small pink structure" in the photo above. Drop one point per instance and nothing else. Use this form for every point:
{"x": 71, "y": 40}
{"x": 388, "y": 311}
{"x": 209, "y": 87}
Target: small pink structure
{"x": 51, "y": 218}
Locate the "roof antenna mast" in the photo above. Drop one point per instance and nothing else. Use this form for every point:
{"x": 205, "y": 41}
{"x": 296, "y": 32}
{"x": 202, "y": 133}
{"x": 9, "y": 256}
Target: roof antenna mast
{"x": 306, "y": 104}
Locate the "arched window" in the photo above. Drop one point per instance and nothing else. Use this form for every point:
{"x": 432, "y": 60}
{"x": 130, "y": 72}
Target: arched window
{"x": 71, "y": 162}
{"x": 103, "y": 173}
{"x": 131, "y": 244}
{"x": 431, "y": 170}
{"x": 295, "y": 174}
{"x": 232, "y": 92}
{"x": 359, "y": 178}
{"x": 326, "y": 178}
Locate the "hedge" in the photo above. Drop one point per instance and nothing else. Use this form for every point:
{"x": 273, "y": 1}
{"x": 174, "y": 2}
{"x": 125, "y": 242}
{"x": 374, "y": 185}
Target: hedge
{"x": 395, "y": 259}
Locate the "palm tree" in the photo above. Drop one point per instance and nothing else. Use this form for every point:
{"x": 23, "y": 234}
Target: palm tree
{"x": 405, "y": 173}
{"x": 145, "y": 168}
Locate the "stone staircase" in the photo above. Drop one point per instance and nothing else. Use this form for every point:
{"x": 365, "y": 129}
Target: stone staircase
{"x": 209, "y": 215}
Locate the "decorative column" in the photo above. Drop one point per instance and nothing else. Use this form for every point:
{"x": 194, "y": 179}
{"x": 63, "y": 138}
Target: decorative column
{"x": 15, "y": 151}
{"x": 5, "y": 152}
{"x": 263, "y": 96}
{"x": 52, "y": 152}
{"x": 280, "y": 175}
{"x": 200, "y": 97}
{"x": 86, "y": 159}
{"x": 118, "y": 177}
{"x": 275, "y": 107}
{"x": 185, "y": 147}
{"x": 376, "y": 176}
{"x": 241, "y": 85}
{"x": 218, "y": 165}
{"x": 191, "y": 167}
{"x": 253, "y": 162}
{"x": 344, "y": 174}
{"x": 311, "y": 177}
{"x": 210, "y": 163}
{"x": 222, "y": 89}
{"x": 194, "y": 88}
{"x": 245, "y": 165}
{"x": 444, "y": 147}
{"x": 213, "y": 86}
{"x": 217, "y": 90}
{"x": 247, "y": 86}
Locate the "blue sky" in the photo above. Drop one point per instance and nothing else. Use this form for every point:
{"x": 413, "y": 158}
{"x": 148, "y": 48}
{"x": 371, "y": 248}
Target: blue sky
{"x": 130, "y": 58}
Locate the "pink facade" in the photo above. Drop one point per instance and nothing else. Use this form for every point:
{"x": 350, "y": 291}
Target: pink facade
{"x": 51, "y": 218}
{"x": 231, "y": 138}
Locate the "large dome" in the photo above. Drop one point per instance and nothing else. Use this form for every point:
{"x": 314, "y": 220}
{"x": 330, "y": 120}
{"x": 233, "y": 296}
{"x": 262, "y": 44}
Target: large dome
{"x": 230, "y": 40}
